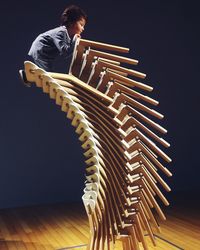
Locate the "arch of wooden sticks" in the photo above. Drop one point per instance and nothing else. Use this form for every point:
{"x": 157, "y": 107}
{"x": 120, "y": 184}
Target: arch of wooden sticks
{"x": 108, "y": 108}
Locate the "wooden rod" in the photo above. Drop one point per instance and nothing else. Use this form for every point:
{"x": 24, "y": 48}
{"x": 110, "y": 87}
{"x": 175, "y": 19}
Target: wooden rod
{"x": 109, "y": 61}
{"x": 81, "y": 84}
{"x": 122, "y": 69}
{"x": 100, "y": 45}
{"x": 130, "y": 82}
{"x": 115, "y": 57}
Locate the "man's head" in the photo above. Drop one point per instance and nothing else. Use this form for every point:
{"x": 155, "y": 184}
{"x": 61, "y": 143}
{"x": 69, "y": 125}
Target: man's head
{"x": 74, "y": 18}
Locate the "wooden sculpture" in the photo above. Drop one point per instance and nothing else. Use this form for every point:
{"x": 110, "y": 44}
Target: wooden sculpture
{"x": 108, "y": 110}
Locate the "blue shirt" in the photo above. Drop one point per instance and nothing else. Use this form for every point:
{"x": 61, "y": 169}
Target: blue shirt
{"x": 47, "y": 46}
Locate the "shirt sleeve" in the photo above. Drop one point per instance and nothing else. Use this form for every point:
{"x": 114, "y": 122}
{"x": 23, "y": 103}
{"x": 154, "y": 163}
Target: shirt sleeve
{"x": 63, "y": 43}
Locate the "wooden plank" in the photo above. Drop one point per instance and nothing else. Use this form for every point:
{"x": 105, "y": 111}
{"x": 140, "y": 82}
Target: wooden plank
{"x": 100, "y": 45}
{"x": 114, "y": 57}
{"x": 178, "y": 231}
{"x": 81, "y": 84}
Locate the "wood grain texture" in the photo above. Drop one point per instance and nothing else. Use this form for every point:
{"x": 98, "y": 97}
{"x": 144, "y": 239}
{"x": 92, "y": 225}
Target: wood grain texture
{"x": 58, "y": 226}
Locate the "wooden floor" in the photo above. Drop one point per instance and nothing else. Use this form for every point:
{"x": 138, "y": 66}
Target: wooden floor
{"x": 63, "y": 226}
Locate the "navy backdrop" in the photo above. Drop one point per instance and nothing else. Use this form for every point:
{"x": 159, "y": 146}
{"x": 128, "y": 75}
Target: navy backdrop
{"x": 41, "y": 158}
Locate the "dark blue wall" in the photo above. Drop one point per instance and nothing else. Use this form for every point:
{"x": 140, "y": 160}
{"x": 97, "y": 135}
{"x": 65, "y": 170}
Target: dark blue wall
{"x": 41, "y": 159}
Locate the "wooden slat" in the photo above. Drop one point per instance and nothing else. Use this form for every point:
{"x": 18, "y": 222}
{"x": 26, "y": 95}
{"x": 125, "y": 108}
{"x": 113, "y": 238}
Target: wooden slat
{"x": 180, "y": 227}
{"x": 81, "y": 84}
{"x": 114, "y": 57}
{"x": 125, "y": 70}
{"x": 99, "y": 45}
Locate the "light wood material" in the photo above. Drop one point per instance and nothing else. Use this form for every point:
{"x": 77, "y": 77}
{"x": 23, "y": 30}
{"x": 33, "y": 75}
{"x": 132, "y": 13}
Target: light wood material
{"x": 99, "y": 45}
{"x": 125, "y": 70}
{"x": 122, "y": 163}
{"x": 130, "y": 82}
{"x": 114, "y": 57}
{"x": 51, "y": 227}
{"x": 81, "y": 84}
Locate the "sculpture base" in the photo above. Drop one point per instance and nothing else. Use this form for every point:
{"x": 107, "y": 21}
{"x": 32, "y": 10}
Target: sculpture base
{"x": 162, "y": 243}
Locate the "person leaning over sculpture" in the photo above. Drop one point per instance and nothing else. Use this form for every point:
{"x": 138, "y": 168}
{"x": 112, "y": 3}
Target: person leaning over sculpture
{"x": 58, "y": 41}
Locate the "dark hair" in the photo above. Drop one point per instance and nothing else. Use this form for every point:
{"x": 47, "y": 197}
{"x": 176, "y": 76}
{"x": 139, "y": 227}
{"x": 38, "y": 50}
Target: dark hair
{"x": 71, "y": 15}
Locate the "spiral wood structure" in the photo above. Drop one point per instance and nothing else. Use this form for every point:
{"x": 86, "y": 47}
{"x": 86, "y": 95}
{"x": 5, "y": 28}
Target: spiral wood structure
{"x": 110, "y": 111}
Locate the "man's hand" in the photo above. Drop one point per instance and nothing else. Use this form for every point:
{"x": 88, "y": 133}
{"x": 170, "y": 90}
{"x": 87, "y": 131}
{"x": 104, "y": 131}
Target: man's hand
{"x": 78, "y": 36}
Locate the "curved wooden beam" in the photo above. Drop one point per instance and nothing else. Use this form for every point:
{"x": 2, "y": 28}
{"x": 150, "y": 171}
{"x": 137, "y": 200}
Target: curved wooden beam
{"x": 122, "y": 162}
